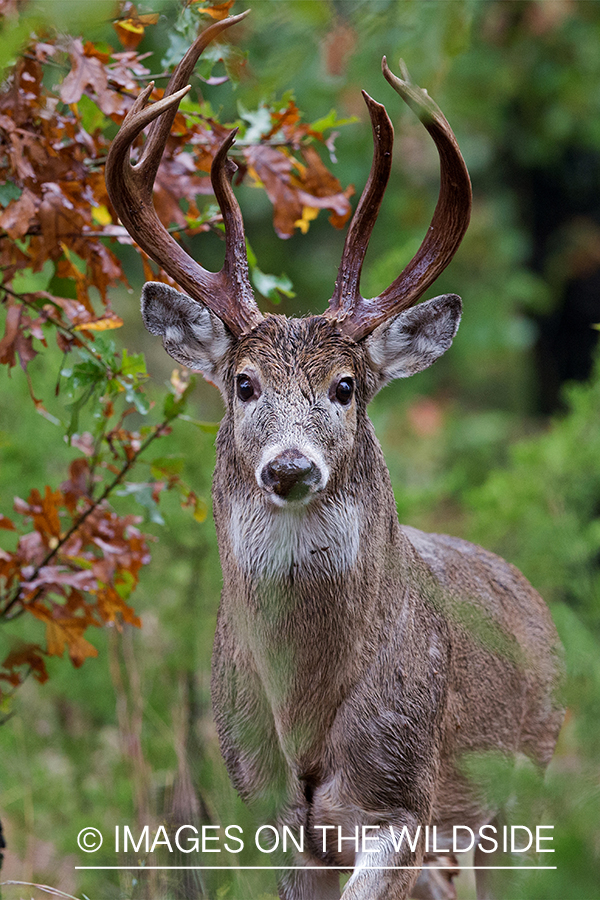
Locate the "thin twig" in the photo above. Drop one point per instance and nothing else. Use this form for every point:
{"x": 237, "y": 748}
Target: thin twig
{"x": 61, "y": 327}
{"x": 158, "y": 431}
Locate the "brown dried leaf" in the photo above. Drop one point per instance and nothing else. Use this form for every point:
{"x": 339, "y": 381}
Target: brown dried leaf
{"x": 43, "y": 511}
{"x": 16, "y": 339}
{"x": 29, "y": 655}
{"x": 7, "y": 344}
{"x": 338, "y": 47}
{"x": 18, "y": 216}
{"x": 311, "y": 186}
{"x": 274, "y": 169}
{"x": 57, "y": 578}
{"x": 88, "y": 72}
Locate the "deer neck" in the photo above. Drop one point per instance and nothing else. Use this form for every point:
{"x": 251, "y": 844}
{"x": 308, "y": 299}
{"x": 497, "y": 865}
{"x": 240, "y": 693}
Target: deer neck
{"x": 325, "y": 552}
{"x": 305, "y": 590}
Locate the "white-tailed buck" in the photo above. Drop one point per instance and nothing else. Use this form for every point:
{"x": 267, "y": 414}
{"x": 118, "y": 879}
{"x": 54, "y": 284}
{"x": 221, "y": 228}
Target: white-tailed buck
{"x": 356, "y": 661}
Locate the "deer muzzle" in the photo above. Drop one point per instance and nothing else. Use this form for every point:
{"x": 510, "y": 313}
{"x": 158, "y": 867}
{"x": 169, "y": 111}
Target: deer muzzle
{"x": 290, "y": 476}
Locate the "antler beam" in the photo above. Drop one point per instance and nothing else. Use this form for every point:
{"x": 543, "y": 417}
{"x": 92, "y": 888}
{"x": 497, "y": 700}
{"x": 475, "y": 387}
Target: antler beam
{"x": 357, "y": 316}
{"x": 227, "y": 293}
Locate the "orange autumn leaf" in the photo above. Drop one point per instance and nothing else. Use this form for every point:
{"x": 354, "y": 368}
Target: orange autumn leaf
{"x": 219, "y": 10}
{"x": 131, "y": 31}
{"x": 68, "y": 632}
{"x": 43, "y": 511}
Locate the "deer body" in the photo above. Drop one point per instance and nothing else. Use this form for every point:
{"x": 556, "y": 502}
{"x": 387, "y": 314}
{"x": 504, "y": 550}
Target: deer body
{"x": 356, "y": 661}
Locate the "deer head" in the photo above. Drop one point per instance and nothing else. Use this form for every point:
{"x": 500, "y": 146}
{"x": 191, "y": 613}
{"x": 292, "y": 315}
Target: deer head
{"x": 295, "y": 389}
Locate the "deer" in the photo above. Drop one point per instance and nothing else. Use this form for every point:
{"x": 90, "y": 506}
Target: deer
{"x": 356, "y": 662}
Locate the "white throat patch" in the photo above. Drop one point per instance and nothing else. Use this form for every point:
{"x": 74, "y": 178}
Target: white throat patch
{"x": 276, "y": 542}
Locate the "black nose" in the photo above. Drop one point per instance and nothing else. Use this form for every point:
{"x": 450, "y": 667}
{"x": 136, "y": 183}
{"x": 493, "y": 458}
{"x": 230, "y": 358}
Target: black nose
{"x": 290, "y": 475}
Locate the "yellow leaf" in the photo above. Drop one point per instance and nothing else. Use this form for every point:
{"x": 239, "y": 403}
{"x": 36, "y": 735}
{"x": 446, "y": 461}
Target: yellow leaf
{"x": 200, "y": 511}
{"x": 308, "y": 214}
{"x": 106, "y": 324}
{"x": 101, "y": 215}
{"x": 256, "y": 180}
{"x": 130, "y": 25}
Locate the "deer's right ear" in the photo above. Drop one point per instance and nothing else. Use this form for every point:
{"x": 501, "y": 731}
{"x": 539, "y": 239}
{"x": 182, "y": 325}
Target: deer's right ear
{"x": 191, "y": 333}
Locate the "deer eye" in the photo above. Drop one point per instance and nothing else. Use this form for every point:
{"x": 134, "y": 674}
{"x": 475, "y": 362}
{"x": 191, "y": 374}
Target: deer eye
{"x": 245, "y": 388}
{"x": 344, "y": 391}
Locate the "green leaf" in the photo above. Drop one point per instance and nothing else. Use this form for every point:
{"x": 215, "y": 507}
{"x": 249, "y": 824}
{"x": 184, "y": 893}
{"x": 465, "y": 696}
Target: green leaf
{"x": 143, "y": 494}
{"x": 175, "y": 404}
{"x": 9, "y": 191}
{"x": 259, "y": 122}
{"x": 74, "y": 409}
{"x": 272, "y": 286}
{"x": 134, "y": 364}
{"x": 134, "y": 396}
{"x": 106, "y": 350}
{"x": 92, "y": 117}
{"x": 234, "y": 60}
{"x": 88, "y": 372}
{"x": 13, "y": 35}
{"x": 26, "y": 281}
{"x": 331, "y": 121}
{"x": 166, "y": 466}
{"x": 251, "y": 255}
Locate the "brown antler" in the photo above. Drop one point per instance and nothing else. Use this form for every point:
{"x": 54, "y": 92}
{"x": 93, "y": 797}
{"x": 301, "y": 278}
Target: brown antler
{"x": 357, "y": 316}
{"x": 227, "y": 293}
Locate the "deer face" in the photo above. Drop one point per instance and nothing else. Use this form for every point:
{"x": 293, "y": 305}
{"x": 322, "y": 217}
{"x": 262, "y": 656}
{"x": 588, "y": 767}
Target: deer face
{"x": 294, "y": 393}
{"x": 296, "y": 389}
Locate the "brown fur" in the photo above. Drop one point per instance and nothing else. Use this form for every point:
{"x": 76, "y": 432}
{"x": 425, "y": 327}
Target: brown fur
{"x": 356, "y": 661}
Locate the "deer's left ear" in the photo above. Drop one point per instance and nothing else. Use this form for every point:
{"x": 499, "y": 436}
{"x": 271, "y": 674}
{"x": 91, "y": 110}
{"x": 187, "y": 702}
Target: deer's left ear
{"x": 414, "y": 339}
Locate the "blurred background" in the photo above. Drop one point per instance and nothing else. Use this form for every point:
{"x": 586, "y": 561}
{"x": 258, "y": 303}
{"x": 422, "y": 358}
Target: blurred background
{"x": 499, "y": 442}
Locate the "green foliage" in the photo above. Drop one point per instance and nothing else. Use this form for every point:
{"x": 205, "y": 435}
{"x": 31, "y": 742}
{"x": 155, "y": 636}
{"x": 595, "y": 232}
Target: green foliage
{"x": 542, "y": 510}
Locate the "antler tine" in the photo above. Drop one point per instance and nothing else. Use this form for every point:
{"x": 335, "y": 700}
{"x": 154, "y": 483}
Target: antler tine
{"x": 227, "y": 293}
{"x": 447, "y": 228}
{"x": 346, "y": 293}
{"x": 159, "y": 133}
{"x": 235, "y": 267}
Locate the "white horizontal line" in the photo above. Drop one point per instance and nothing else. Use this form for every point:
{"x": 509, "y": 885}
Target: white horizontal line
{"x": 318, "y": 868}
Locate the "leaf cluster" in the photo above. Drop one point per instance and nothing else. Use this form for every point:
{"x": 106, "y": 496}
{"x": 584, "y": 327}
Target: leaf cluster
{"x": 74, "y": 561}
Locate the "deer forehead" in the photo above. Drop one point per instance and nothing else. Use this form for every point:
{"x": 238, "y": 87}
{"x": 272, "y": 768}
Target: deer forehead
{"x": 310, "y": 352}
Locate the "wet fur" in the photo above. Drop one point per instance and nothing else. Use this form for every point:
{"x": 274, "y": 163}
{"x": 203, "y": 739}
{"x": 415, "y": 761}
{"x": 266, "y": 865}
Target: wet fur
{"x": 356, "y": 661}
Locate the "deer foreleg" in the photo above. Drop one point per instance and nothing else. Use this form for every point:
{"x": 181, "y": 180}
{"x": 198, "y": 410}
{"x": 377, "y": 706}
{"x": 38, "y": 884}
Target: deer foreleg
{"x": 385, "y": 873}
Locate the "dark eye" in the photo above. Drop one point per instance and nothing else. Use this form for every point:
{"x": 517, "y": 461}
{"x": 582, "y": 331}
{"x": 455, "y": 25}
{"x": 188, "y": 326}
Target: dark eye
{"x": 344, "y": 391}
{"x": 245, "y": 388}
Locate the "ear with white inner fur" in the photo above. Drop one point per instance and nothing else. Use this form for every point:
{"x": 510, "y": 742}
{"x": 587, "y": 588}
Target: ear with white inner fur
{"x": 414, "y": 339}
{"x": 191, "y": 333}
